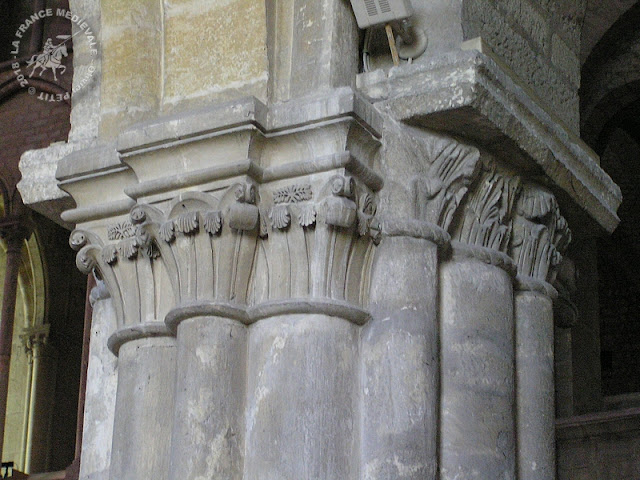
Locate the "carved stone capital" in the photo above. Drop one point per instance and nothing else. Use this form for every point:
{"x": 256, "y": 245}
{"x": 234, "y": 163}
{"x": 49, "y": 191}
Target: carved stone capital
{"x": 540, "y": 233}
{"x": 34, "y": 338}
{"x": 453, "y": 166}
{"x": 239, "y": 248}
{"x": 15, "y": 230}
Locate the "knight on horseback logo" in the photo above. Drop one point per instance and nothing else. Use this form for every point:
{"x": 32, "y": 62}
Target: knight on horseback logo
{"x": 51, "y": 58}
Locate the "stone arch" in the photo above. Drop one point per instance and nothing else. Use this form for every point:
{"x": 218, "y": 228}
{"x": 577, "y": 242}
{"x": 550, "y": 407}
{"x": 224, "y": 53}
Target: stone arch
{"x": 25, "y": 402}
{"x": 611, "y": 75}
{"x": 610, "y": 108}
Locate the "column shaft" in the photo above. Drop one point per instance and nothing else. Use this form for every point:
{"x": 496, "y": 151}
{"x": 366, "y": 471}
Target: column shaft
{"x": 15, "y": 240}
{"x": 208, "y": 432}
{"x": 563, "y": 372}
{"x": 535, "y": 386}
{"x": 477, "y": 338}
{"x": 144, "y": 404}
{"x": 400, "y": 363}
{"x": 302, "y": 407}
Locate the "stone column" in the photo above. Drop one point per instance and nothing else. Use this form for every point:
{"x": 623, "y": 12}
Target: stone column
{"x": 565, "y": 314}
{"x": 540, "y": 236}
{"x": 14, "y": 231}
{"x": 208, "y": 247}
{"x": 535, "y": 383}
{"x": 302, "y": 413}
{"x": 303, "y": 409}
{"x": 477, "y": 434}
{"x": 144, "y": 402}
{"x": 400, "y": 355}
{"x": 42, "y": 359}
{"x": 477, "y": 334}
{"x": 144, "y": 346}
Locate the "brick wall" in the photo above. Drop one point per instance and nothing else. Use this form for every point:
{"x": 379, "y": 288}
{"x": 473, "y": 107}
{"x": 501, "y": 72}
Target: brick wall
{"x": 28, "y": 123}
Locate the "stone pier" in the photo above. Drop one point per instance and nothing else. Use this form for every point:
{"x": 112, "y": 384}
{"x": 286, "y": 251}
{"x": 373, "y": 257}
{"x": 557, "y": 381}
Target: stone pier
{"x": 315, "y": 273}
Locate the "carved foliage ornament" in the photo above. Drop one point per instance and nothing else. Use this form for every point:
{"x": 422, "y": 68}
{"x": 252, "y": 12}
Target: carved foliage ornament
{"x": 486, "y": 217}
{"x": 541, "y": 233}
{"x": 481, "y": 204}
{"x": 452, "y": 168}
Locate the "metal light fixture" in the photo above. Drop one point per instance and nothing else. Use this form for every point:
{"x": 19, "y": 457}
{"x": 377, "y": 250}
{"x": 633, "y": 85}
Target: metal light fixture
{"x": 378, "y": 12}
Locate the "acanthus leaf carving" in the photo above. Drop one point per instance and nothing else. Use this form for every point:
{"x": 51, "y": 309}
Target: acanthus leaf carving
{"x": 306, "y": 215}
{"x": 128, "y": 248}
{"x": 453, "y": 167}
{"x": 167, "y": 232}
{"x": 110, "y": 254}
{"x": 486, "y": 218}
{"x": 541, "y": 233}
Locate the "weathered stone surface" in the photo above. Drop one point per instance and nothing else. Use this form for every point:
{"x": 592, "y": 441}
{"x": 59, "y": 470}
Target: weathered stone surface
{"x": 466, "y": 93}
{"x": 100, "y": 400}
{"x": 227, "y": 38}
{"x": 400, "y": 364}
{"x": 477, "y": 425}
{"x": 534, "y": 386}
{"x": 302, "y": 411}
{"x": 208, "y": 423}
{"x": 144, "y": 402}
{"x": 131, "y": 63}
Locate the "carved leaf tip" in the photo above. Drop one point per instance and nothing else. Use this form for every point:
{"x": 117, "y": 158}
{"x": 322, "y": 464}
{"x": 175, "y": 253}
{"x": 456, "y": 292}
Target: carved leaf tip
{"x": 307, "y": 215}
{"x": 187, "y": 223}
{"x": 212, "y": 222}
{"x": 167, "y": 232}
{"x": 110, "y": 254}
{"x": 280, "y": 217}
